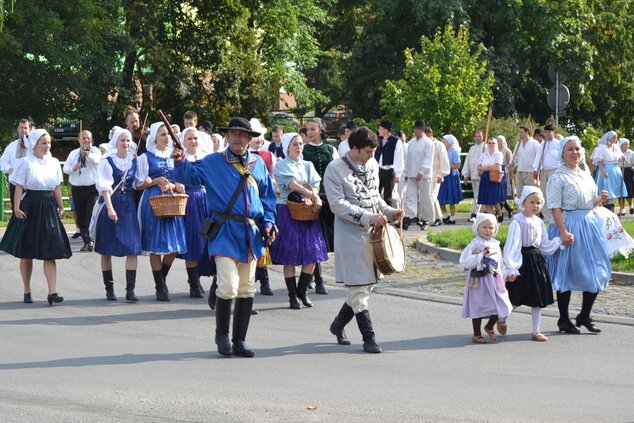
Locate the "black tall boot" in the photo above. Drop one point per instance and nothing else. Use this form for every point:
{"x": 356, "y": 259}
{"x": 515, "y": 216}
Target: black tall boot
{"x": 341, "y": 320}
{"x": 211, "y": 300}
{"x": 109, "y": 284}
{"x": 130, "y": 284}
{"x": 291, "y": 286}
{"x": 564, "y": 324}
{"x": 241, "y": 318}
{"x": 193, "y": 279}
{"x": 265, "y": 288}
{"x": 320, "y": 288}
{"x": 162, "y": 294}
{"x": 223, "y": 316}
{"x": 583, "y": 319}
{"x": 302, "y": 287}
{"x": 365, "y": 326}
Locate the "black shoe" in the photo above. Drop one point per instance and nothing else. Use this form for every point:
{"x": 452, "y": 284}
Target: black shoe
{"x": 437, "y": 222}
{"x": 587, "y": 323}
{"x": 265, "y": 287}
{"x": 423, "y": 224}
{"x": 54, "y": 298}
{"x": 224, "y": 346}
{"x": 195, "y": 289}
{"x": 302, "y": 286}
{"x": 450, "y": 222}
{"x": 500, "y": 218}
{"x": 471, "y": 218}
{"x": 76, "y": 235}
{"x": 566, "y": 326}
{"x": 445, "y": 219}
{"x": 130, "y": 296}
{"x": 110, "y": 295}
{"x": 631, "y": 210}
{"x": 27, "y": 298}
{"x": 89, "y": 246}
{"x": 406, "y": 222}
{"x": 162, "y": 294}
{"x": 338, "y": 324}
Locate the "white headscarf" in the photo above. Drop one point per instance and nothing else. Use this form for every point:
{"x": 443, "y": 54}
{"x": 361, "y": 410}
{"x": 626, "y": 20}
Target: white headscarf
{"x": 453, "y": 141}
{"x": 181, "y": 135}
{"x": 150, "y": 143}
{"x": 607, "y": 136}
{"x": 115, "y": 134}
{"x": 562, "y": 147}
{"x": 286, "y": 141}
{"x": 526, "y": 191}
{"x": 31, "y": 140}
{"x": 623, "y": 141}
{"x": 501, "y": 138}
{"x": 483, "y": 217}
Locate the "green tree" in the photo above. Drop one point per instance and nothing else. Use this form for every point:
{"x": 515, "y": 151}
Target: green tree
{"x": 444, "y": 83}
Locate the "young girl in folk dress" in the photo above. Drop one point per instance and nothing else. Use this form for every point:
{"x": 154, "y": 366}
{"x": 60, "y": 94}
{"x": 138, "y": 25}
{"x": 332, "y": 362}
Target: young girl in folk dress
{"x": 528, "y": 282}
{"x": 485, "y": 294}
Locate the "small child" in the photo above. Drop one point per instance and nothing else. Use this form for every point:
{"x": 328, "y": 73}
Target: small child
{"x": 485, "y": 294}
{"x": 528, "y": 282}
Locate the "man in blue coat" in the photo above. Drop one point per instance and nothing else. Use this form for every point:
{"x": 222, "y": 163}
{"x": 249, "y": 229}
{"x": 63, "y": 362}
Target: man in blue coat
{"x": 244, "y": 230}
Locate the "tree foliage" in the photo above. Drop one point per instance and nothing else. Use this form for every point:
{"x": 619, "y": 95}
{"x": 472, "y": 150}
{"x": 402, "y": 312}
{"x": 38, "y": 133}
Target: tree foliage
{"x": 445, "y": 84}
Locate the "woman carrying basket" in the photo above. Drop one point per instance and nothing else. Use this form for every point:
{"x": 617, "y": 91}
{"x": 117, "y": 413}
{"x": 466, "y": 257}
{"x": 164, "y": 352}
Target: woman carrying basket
{"x": 299, "y": 242}
{"x": 160, "y": 236}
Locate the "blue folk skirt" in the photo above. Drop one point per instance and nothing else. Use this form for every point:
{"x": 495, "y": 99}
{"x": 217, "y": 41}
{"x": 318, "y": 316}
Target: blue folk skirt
{"x": 450, "y": 191}
{"x": 123, "y": 237}
{"x": 160, "y": 235}
{"x": 195, "y": 213}
{"x": 490, "y": 193}
{"x": 298, "y": 242}
{"x": 41, "y": 235}
{"x": 613, "y": 184}
{"x": 585, "y": 265}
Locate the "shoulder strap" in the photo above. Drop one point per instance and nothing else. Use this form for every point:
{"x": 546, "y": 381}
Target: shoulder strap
{"x": 234, "y": 197}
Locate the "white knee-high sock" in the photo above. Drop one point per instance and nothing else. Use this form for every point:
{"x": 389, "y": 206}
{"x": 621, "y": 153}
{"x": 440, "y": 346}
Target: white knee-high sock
{"x": 536, "y": 314}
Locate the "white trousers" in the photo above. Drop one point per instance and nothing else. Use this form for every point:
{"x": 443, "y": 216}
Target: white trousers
{"x": 419, "y": 199}
{"x": 235, "y": 279}
{"x": 358, "y": 297}
{"x": 475, "y": 184}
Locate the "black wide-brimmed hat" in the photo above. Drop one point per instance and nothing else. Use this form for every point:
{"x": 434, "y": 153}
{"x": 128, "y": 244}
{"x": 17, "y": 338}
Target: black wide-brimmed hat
{"x": 239, "y": 124}
{"x": 419, "y": 124}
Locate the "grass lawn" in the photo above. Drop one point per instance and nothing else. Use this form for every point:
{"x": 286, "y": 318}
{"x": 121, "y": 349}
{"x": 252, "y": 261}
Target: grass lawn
{"x": 458, "y": 239}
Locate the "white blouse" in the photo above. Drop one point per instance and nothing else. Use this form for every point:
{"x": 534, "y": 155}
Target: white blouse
{"x": 570, "y": 190}
{"x": 104, "y": 172}
{"x": 472, "y": 255}
{"x": 143, "y": 167}
{"x": 488, "y": 159}
{"x": 37, "y": 174}
{"x": 629, "y": 158}
{"x": 606, "y": 155}
{"x": 526, "y": 232}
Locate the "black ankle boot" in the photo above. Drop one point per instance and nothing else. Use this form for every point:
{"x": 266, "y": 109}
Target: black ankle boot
{"x": 302, "y": 287}
{"x": 241, "y": 318}
{"x": 583, "y": 319}
{"x": 365, "y": 326}
{"x": 341, "y": 320}
{"x": 195, "y": 290}
{"x": 130, "y": 284}
{"x": 291, "y": 286}
{"x": 223, "y": 316}
{"x": 320, "y": 288}
{"x": 211, "y": 300}
{"x": 162, "y": 294}
{"x": 265, "y": 288}
{"x": 109, "y": 284}
{"x": 54, "y": 298}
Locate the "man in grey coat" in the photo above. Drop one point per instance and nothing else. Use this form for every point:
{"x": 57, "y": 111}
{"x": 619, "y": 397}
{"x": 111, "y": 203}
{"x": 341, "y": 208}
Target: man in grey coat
{"x": 352, "y": 187}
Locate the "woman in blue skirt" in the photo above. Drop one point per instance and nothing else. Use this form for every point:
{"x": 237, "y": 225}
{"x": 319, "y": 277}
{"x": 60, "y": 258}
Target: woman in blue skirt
{"x": 584, "y": 265}
{"x": 197, "y": 210}
{"x": 298, "y": 243}
{"x": 35, "y": 230}
{"x": 161, "y": 237}
{"x": 609, "y": 176}
{"x": 490, "y": 193}
{"x": 118, "y": 232}
{"x": 450, "y": 191}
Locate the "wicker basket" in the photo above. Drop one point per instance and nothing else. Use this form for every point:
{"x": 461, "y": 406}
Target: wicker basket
{"x": 301, "y": 211}
{"x": 169, "y": 205}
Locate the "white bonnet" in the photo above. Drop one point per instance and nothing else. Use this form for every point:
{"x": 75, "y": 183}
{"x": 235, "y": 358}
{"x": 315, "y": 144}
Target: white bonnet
{"x": 483, "y": 217}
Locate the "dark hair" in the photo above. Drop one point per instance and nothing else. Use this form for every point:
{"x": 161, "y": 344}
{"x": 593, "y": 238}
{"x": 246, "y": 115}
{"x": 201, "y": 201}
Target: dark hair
{"x": 128, "y": 113}
{"x": 525, "y": 129}
{"x": 322, "y": 126}
{"x": 351, "y": 125}
{"x": 25, "y": 120}
{"x": 303, "y": 130}
{"x": 190, "y": 115}
{"x": 549, "y": 127}
{"x": 362, "y": 137}
{"x": 277, "y": 128}
{"x": 401, "y": 134}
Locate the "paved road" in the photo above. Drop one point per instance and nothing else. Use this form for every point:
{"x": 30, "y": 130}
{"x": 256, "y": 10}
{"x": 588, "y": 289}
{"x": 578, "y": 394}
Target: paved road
{"x": 92, "y": 360}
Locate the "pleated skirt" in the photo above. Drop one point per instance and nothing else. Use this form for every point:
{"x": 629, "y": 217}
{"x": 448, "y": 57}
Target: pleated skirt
{"x": 450, "y": 191}
{"x": 195, "y": 213}
{"x": 490, "y": 193}
{"x": 533, "y": 286}
{"x": 297, "y": 242}
{"x": 585, "y": 265}
{"x": 123, "y": 237}
{"x": 41, "y": 235}
{"x": 160, "y": 235}
{"x": 613, "y": 184}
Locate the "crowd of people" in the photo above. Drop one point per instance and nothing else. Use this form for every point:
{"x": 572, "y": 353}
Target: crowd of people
{"x": 244, "y": 192}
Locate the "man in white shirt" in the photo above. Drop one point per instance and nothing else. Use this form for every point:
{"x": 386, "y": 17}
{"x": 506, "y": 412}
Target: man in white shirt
{"x": 545, "y": 164}
{"x": 389, "y": 155}
{"x": 14, "y": 152}
{"x": 418, "y": 176}
{"x": 440, "y": 169}
{"x": 470, "y": 170}
{"x": 523, "y": 160}
{"x": 343, "y": 145}
{"x": 81, "y": 166}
